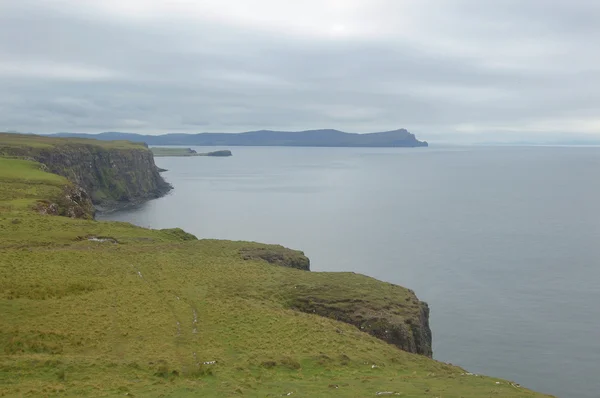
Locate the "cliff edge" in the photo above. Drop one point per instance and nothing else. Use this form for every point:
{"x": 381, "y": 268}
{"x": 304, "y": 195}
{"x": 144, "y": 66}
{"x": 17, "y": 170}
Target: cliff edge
{"x": 114, "y": 174}
{"x": 386, "y": 311}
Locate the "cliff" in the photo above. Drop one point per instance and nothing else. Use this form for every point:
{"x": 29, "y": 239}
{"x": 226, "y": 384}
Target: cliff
{"x": 113, "y": 174}
{"x": 388, "y": 312}
{"x": 277, "y": 255}
{"x": 110, "y": 309}
{"x": 27, "y": 184}
{"x": 310, "y": 138}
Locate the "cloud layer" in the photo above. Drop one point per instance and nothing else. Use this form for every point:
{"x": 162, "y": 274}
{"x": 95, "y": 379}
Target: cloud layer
{"x": 444, "y": 69}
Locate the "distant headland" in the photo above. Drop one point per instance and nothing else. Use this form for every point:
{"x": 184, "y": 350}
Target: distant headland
{"x": 309, "y": 138}
{"x": 184, "y": 152}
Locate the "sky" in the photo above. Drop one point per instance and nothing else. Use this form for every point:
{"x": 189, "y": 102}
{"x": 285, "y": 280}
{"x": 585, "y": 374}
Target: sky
{"x": 446, "y": 70}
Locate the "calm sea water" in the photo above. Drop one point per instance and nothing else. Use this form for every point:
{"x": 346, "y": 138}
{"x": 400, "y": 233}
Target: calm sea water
{"x": 503, "y": 242}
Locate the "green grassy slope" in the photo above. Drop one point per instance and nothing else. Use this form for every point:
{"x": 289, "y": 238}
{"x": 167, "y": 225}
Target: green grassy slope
{"x": 38, "y": 141}
{"x": 142, "y": 312}
{"x": 25, "y": 186}
{"x": 23, "y": 183}
{"x": 161, "y": 151}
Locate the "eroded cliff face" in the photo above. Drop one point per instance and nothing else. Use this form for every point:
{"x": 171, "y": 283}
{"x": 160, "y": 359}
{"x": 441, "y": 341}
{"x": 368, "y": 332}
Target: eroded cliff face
{"x": 74, "y": 202}
{"x": 112, "y": 177}
{"x": 403, "y": 322}
{"x": 278, "y": 255}
{"x": 386, "y": 311}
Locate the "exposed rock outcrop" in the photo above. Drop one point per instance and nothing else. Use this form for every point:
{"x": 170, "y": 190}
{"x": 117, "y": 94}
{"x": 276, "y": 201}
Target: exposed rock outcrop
{"x": 278, "y": 255}
{"x": 390, "y": 313}
{"x": 74, "y": 202}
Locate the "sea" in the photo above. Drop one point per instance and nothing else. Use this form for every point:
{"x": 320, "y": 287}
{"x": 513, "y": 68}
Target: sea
{"x": 503, "y": 242}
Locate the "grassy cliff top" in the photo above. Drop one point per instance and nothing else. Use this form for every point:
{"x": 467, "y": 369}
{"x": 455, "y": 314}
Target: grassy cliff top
{"x": 110, "y": 309}
{"x": 23, "y": 183}
{"x": 39, "y": 141}
{"x": 111, "y": 172}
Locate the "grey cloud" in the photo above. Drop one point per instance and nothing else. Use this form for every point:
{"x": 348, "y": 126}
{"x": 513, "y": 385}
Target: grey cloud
{"x": 460, "y": 65}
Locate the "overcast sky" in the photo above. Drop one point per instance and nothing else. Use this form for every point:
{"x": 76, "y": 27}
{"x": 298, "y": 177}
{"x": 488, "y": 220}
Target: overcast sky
{"x": 444, "y": 69}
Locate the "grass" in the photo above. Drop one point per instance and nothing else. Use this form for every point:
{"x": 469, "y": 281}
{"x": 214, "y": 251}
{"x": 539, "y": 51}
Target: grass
{"x": 23, "y": 183}
{"x": 26, "y": 171}
{"x": 149, "y": 313}
{"x": 40, "y": 141}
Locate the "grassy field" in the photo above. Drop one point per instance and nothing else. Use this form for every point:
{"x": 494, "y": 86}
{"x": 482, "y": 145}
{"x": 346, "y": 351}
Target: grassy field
{"x": 39, "y": 141}
{"x": 109, "y": 309}
{"x": 23, "y": 183}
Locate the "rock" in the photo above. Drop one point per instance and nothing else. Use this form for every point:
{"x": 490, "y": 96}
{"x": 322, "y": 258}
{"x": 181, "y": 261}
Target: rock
{"x": 279, "y": 255}
{"x": 73, "y": 203}
{"x": 219, "y": 153}
{"x": 76, "y": 203}
{"x": 388, "y": 312}
{"x": 102, "y": 240}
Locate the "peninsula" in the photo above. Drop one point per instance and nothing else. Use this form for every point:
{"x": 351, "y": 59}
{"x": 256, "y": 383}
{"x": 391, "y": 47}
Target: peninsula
{"x": 309, "y": 138}
{"x": 111, "y": 309}
{"x": 183, "y": 152}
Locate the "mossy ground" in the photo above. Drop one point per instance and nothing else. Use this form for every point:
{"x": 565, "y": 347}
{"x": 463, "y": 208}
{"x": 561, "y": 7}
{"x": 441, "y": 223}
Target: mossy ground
{"x": 145, "y": 313}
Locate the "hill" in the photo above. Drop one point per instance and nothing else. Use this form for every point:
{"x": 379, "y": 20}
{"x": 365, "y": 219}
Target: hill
{"x": 110, "y": 309}
{"x": 310, "y": 138}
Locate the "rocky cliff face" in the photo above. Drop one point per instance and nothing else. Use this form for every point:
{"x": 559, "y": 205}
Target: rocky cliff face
{"x": 74, "y": 202}
{"x": 111, "y": 176}
{"x": 399, "y": 320}
{"x": 388, "y": 312}
{"x": 278, "y": 255}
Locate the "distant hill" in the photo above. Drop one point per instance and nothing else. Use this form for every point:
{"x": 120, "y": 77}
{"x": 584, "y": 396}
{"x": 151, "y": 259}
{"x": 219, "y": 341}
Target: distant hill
{"x": 312, "y": 138}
